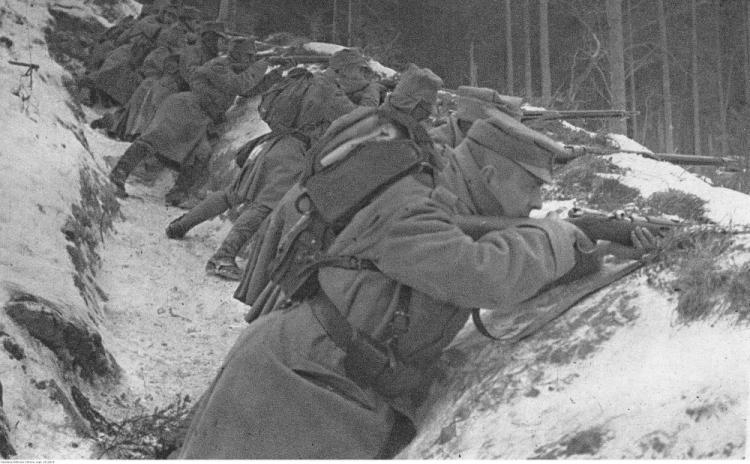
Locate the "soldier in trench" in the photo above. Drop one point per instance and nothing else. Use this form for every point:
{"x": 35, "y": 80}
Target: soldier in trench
{"x": 178, "y": 134}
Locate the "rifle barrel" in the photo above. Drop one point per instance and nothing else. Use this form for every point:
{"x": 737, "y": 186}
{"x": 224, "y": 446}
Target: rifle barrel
{"x": 574, "y": 151}
{"x": 575, "y": 114}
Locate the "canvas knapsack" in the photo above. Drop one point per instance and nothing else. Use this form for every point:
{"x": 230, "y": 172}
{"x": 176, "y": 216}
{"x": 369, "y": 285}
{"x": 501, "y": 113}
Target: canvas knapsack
{"x": 360, "y": 155}
{"x": 281, "y": 105}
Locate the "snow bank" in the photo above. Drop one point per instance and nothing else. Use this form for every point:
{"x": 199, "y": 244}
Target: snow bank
{"x": 47, "y": 174}
{"x": 723, "y": 206}
{"x": 40, "y": 160}
{"x": 613, "y": 378}
{"x": 325, "y": 48}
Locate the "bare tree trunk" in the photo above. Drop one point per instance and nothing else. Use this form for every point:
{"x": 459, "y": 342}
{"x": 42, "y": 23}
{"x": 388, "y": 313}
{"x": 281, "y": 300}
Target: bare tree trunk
{"x": 660, "y": 132}
{"x": 631, "y": 64}
{"x": 544, "y": 52}
{"x": 349, "y": 26}
{"x": 617, "y": 62}
{"x": 723, "y": 92}
{"x": 694, "y": 68}
{"x": 333, "y": 21}
{"x": 527, "y": 48}
{"x": 666, "y": 84}
{"x": 747, "y": 52}
{"x": 508, "y": 49}
{"x": 472, "y": 66}
{"x": 228, "y": 14}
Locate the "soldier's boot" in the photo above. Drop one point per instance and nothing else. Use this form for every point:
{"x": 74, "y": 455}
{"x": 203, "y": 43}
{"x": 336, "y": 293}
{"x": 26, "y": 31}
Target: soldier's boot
{"x": 136, "y": 152}
{"x": 222, "y": 263}
{"x": 188, "y": 176}
{"x": 209, "y": 208}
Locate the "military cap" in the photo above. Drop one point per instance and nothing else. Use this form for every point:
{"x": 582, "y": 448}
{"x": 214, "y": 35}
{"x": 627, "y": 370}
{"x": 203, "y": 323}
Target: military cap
{"x": 508, "y": 137}
{"x": 171, "y": 63}
{"x": 190, "y": 12}
{"x": 171, "y": 37}
{"x": 473, "y": 102}
{"x": 416, "y": 84}
{"x": 241, "y": 46}
{"x": 169, "y": 9}
{"x": 217, "y": 27}
{"x": 346, "y": 57}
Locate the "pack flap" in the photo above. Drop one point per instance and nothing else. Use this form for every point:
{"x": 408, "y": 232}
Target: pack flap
{"x": 346, "y": 186}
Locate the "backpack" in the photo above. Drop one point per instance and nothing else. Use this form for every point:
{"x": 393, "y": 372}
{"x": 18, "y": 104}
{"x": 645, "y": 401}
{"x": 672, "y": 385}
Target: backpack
{"x": 281, "y": 105}
{"x": 361, "y": 155}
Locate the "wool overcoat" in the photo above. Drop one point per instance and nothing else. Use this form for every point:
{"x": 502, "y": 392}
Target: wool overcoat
{"x": 282, "y": 391}
{"x": 180, "y": 124}
{"x": 117, "y": 77}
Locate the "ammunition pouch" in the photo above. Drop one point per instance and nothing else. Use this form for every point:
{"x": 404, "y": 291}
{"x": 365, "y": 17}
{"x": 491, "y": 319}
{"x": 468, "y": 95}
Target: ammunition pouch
{"x": 367, "y": 361}
{"x": 295, "y": 268}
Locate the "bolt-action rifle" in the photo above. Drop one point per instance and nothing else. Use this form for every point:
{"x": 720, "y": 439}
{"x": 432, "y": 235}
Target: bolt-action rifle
{"x": 529, "y": 114}
{"x": 574, "y": 151}
{"x": 294, "y": 60}
{"x": 597, "y": 225}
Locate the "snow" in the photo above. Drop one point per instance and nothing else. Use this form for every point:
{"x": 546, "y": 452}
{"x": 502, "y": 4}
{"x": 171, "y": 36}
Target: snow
{"x": 643, "y": 382}
{"x": 527, "y": 107}
{"x": 627, "y": 144}
{"x": 324, "y": 48}
{"x": 166, "y": 324}
{"x": 724, "y": 206}
{"x": 646, "y": 381}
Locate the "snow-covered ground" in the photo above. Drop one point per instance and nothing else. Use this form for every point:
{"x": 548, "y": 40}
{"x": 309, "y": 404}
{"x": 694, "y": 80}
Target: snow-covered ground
{"x": 614, "y": 377}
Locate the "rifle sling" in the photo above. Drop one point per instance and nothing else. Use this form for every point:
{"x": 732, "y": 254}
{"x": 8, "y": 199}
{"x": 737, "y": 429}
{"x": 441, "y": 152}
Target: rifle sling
{"x": 481, "y": 328}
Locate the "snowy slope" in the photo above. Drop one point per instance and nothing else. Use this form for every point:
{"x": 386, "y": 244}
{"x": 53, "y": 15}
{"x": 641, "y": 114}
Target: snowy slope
{"x": 614, "y": 377}
{"x": 157, "y": 342}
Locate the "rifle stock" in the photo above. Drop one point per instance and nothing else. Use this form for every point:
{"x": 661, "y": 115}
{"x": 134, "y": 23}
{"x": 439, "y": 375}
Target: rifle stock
{"x": 596, "y": 225}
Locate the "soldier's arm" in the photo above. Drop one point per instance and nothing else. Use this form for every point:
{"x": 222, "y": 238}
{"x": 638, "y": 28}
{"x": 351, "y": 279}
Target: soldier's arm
{"x": 221, "y": 76}
{"x": 370, "y": 95}
{"x": 425, "y": 250}
{"x": 189, "y": 62}
{"x": 242, "y": 83}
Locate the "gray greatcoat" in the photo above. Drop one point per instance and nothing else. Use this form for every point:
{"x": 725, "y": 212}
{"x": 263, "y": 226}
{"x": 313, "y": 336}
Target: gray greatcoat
{"x": 180, "y": 124}
{"x": 118, "y": 77}
{"x": 282, "y": 391}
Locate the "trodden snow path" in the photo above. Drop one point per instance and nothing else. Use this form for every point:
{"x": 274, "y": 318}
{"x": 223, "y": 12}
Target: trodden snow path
{"x": 168, "y": 324}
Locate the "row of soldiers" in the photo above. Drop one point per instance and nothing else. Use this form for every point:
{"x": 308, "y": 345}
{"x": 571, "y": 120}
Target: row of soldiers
{"x": 360, "y": 273}
{"x": 336, "y": 363}
{"x": 168, "y": 60}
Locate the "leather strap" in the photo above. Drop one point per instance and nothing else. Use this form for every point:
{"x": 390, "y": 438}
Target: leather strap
{"x": 347, "y": 262}
{"x": 332, "y": 321}
{"x": 481, "y": 328}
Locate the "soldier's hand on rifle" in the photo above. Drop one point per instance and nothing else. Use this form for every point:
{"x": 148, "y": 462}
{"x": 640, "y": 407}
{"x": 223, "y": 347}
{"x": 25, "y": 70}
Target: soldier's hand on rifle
{"x": 644, "y": 242}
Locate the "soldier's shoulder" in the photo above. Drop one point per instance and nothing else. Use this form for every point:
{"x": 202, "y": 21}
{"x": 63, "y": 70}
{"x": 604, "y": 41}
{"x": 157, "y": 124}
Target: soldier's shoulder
{"x": 219, "y": 65}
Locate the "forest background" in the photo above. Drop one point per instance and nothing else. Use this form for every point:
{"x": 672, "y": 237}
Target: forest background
{"x": 682, "y": 65}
